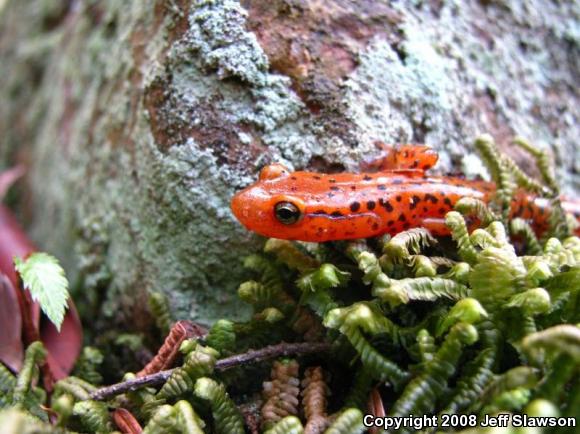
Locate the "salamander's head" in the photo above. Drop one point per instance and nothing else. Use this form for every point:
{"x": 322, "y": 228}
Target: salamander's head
{"x": 301, "y": 206}
{"x": 266, "y": 207}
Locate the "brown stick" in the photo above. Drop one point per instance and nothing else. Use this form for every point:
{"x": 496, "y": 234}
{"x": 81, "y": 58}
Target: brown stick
{"x": 252, "y": 356}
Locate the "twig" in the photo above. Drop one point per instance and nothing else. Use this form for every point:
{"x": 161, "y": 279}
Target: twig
{"x": 252, "y": 356}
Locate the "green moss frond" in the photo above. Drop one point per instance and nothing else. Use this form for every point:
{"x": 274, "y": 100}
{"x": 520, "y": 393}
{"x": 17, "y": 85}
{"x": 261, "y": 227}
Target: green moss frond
{"x": 456, "y": 224}
{"x": 77, "y": 387}
{"x": 520, "y": 377}
{"x": 290, "y": 255}
{"x": 269, "y": 273}
{"x": 498, "y": 275}
{"x": 163, "y": 421}
{"x": 422, "y": 392}
{"x": 350, "y": 322}
{"x": 560, "y": 339}
{"x": 501, "y": 171}
{"x": 14, "y": 421}
{"x": 222, "y": 336}
{"x": 532, "y": 301}
{"x": 88, "y": 364}
{"x": 543, "y": 162}
{"x": 520, "y": 227}
{"x": 262, "y": 296}
{"x": 7, "y": 384}
{"x": 226, "y": 416}
{"x": 350, "y": 421}
{"x": 187, "y": 418}
{"x": 198, "y": 363}
{"x": 35, "y": 355}
{"x": 405, "y": 243}
{"x": 324, "y": 277}
{"x": 470, "y": 206}
{"x": 423, "y": 266}
{"x": 94, "y": 416}
{"x": 288, "y": 425}
{"x": 426, "y": 345}
{"x": 475, "y": 378}
{"x": 420, "y": 288}
{"x": 159, "y": 307}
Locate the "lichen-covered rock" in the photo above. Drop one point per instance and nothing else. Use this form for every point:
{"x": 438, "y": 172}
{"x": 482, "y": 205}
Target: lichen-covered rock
{"x": 139, "y": 120}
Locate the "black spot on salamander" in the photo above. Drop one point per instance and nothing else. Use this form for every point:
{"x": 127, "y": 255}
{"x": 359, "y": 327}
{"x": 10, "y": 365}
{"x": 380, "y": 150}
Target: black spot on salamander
{"x": 332, "y": 181}
{"x": 414, "y": 201}
{"x": 402, "y": 218}
{"x": 397, "y": 181}
{"x": 353, "y": 187}
{"x": 441, "y": 211}
{"x": 406, "y": 226}
{"x": 316, "y": 177}
{"x": 426, "y": 167}
{"x": 432, "y": 198}
{"x": 425, "y": 209}
{"x": 382, "y": 187}
{"x": 367, "y": 178}
{"x": 375, "y": 226}
{"x": 355, "y": 206}
{"x": 293, "y": 178}
{"x": 447, "y": 201}
{"x": 371, "y": 205}
{"x": 293, "y": 188}
{"x": 391, "y": 223}
{"x": 330, "y": 195}
{"x": 319, "y": 212}
{"x": 334, "y": 188}
{"x": 415, "y": 164}
{"x": 336, "y": 214}
{"x": 386, "y": 204}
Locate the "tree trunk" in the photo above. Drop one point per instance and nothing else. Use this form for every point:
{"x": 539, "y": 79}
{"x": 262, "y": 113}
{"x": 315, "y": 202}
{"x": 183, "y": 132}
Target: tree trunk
{"x": 139, "y": 120}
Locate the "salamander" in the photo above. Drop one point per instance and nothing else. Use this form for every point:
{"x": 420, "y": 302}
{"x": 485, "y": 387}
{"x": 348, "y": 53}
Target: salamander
{"x": 393, "y": 194}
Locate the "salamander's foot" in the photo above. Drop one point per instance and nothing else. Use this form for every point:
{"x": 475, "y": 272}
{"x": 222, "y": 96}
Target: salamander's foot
{"x": 402, "y": 157}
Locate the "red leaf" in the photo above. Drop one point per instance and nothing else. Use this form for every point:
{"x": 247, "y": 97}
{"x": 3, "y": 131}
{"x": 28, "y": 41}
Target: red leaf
{"x": 11, "y": 348}
{"x": 64, "y": 347}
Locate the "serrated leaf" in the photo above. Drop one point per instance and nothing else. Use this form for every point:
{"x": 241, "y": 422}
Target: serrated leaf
{"x": 43, "y": 276}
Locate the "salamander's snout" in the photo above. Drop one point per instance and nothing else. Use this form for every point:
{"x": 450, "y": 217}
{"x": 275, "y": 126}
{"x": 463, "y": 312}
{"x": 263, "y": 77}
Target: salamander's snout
{"x": 248, "y": 209}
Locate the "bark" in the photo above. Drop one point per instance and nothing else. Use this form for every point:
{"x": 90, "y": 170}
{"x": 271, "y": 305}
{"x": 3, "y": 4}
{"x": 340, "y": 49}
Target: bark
{"x": 138, "y": 120}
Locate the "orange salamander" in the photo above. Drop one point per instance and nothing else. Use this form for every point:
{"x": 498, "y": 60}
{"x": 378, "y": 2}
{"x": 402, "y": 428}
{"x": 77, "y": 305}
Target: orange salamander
{"x": 318, "y": 207}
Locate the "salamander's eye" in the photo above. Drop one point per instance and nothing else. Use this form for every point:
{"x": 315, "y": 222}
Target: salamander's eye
{"x": 287, "y": 213}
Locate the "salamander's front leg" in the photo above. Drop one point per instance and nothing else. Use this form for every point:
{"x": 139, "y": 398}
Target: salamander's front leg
{"x": 403, "y": 157}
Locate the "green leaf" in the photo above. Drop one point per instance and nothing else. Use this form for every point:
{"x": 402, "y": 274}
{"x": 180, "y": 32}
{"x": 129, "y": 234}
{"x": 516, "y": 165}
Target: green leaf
{"x": 43, "y": 276}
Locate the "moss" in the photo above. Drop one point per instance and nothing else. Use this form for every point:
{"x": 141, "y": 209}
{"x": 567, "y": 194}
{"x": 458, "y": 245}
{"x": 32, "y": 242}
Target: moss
{"x": 122, "y": 110}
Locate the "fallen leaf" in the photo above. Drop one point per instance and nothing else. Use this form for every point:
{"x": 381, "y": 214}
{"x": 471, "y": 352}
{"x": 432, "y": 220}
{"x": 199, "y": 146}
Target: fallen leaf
{"x": 64, "y": 347}
{"x": 11, "y": 348}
